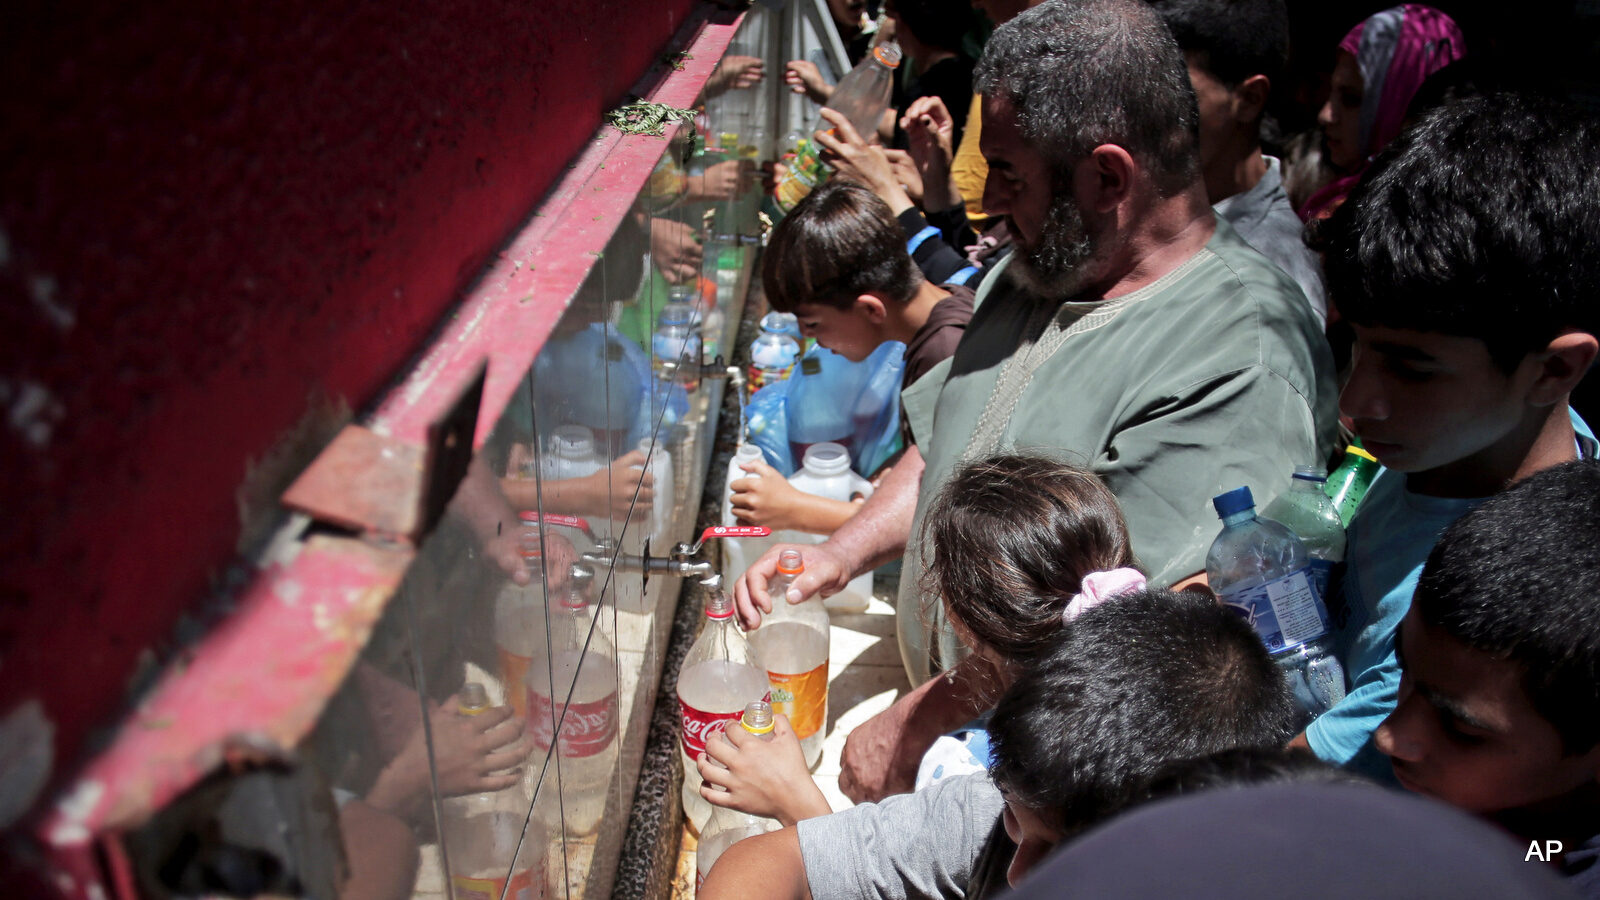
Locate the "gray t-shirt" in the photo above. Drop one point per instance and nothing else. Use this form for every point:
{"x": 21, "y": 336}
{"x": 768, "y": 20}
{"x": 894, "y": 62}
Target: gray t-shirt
{"x": 921, "y": 845}
{"x": 1266, "y": 221}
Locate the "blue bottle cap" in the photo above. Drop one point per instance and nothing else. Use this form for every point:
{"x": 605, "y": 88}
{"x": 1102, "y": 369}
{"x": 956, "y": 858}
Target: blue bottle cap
{"x": 1235, "y": 501}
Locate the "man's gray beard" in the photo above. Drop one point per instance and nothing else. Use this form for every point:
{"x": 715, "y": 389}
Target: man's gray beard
{"x": 1053, "y": 267}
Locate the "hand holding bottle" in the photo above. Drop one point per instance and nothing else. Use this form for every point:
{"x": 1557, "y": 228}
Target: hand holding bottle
{"x": 763, "y": 777}
{"x": 826, "y": 573}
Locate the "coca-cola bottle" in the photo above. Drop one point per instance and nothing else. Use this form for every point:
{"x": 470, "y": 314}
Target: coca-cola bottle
{"x": 793, "y": 644}
{"x": 493, "y": 851}
{"x": 729, "y": 826}
{"x": 719, "y": 677}
{"x": 572, "y": 706}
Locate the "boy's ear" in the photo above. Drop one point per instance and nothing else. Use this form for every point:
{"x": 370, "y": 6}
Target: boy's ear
{"x": 1563, "y": 364}
{"x": 1250, "y": 98}
{"x": 871, "y": 306}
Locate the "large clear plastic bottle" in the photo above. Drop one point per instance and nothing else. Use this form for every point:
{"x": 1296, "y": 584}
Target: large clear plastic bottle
{"x": 676, "y": 346}
{"x": 727, "y": 827}
{"x": 861, "y": 96}
{"x": 739, "y": 552}
{"x": 772, "y": 359}
{"x": 572, "y": 706}
{"x": 519, "y": 616}
{"x": 720, "y": 676}
{"x": 493, "y": 850}
{"x": 1305, "y": 510}
{"x": 825, "y": 471}
{"x": 1261, "y": 571}
{"x": 793, "y": 644}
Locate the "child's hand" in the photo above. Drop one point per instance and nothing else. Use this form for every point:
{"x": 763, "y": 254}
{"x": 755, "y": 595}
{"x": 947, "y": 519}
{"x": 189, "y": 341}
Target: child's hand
{"x": 768, "y": 499}
{"x": 764, "y": 777}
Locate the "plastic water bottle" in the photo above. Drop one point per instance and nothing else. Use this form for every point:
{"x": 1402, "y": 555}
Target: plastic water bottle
{"x": 772, "y": 359}
{"x": 781, "y": 323}
{"x": 1305, "y": 510}
{"x": 739, "y": 552}
{"x": 1261, "y": 571}
{"x": 793, "y": 644}
{"x": 572, "y": 454}
{"x": 676, "y": 347}
{"x": 572, "y": 706}
{"x": 482, "y": 833}
{"x": 729, "y": 826}
{"x": 825, "y": 472}
{"x": 720, "y": 676}
{"x": 1349, "y": 483}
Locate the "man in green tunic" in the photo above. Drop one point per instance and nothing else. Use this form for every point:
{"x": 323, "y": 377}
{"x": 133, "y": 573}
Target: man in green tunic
{"x": 1130, "y": 332}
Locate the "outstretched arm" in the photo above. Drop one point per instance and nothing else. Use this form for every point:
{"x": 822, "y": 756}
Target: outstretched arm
{"x": 872, "y": 537}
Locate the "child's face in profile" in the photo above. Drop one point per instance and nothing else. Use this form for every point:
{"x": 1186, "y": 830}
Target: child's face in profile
{"x": 1465, "y": 732}
{"x": 851, "y": 333}
{"x": 1421, "y": 400}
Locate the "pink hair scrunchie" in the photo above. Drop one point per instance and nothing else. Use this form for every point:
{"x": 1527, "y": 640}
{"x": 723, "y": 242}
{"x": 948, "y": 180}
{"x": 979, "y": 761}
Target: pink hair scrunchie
{"x": 1098, "y": 587}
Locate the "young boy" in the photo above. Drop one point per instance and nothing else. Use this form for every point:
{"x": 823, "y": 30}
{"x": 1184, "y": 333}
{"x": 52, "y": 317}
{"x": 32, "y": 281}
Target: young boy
{"x": 1467, "y": 263}
{"x": 839, "y": 263}
{"x": 1076, "y": 739}
{"x": 1499, "y": 706}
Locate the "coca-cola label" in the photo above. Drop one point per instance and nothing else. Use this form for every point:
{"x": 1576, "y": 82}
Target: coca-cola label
{"x": 699, "y": 725}
{"x": 587, "y": 728}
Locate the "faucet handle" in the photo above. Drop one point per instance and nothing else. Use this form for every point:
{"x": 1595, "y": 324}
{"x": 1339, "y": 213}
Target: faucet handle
{"x": 724, "y": 531}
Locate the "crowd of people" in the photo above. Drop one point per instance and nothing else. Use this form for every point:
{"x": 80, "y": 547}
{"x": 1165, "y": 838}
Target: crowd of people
{"x": 1152, "y": 310}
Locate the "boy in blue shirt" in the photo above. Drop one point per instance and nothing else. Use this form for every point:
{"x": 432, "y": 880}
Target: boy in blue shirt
{"x": 1467, "y": 263}
{"x": 1499, "y": 705}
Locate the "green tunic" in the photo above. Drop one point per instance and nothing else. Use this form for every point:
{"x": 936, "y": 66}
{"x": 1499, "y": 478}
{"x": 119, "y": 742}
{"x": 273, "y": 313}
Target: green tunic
{"x": 1215, "y": 376}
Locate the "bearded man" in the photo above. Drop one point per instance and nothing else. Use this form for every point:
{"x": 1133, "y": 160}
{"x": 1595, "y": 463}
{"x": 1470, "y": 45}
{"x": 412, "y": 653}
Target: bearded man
{"x": 1130, "y": 332}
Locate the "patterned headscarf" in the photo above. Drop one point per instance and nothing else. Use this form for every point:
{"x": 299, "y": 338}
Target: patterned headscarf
{"x": 1395, "y": 50}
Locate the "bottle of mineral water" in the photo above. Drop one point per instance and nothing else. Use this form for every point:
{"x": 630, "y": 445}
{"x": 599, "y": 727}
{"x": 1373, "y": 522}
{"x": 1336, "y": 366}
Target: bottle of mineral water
{"x": 482, "y": 833}
{"x": 676, "y": 345}
{"x": 1261, "y": 571}
{"x": 719, "y": 677}
{"x": 793, "y": 644}
{"x": 727, "y": 827}
{"x": 572, "y": 706}
{"x": 1306, "y": 510}
{"x": 772, "y": 359}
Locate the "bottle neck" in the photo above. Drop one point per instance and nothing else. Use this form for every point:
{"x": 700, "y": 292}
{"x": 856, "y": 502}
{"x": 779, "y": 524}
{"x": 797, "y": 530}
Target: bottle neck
{"x": 1239, "y": 518}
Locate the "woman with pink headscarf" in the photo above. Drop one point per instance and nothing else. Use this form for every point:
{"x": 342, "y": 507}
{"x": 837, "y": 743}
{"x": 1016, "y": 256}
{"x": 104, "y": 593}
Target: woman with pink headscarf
{"x": 1380, "y": 65}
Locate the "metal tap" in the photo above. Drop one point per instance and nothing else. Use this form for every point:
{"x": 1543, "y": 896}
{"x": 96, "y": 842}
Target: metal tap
{"x": 679, "y": 563}
{"x": 714, "y": 370}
